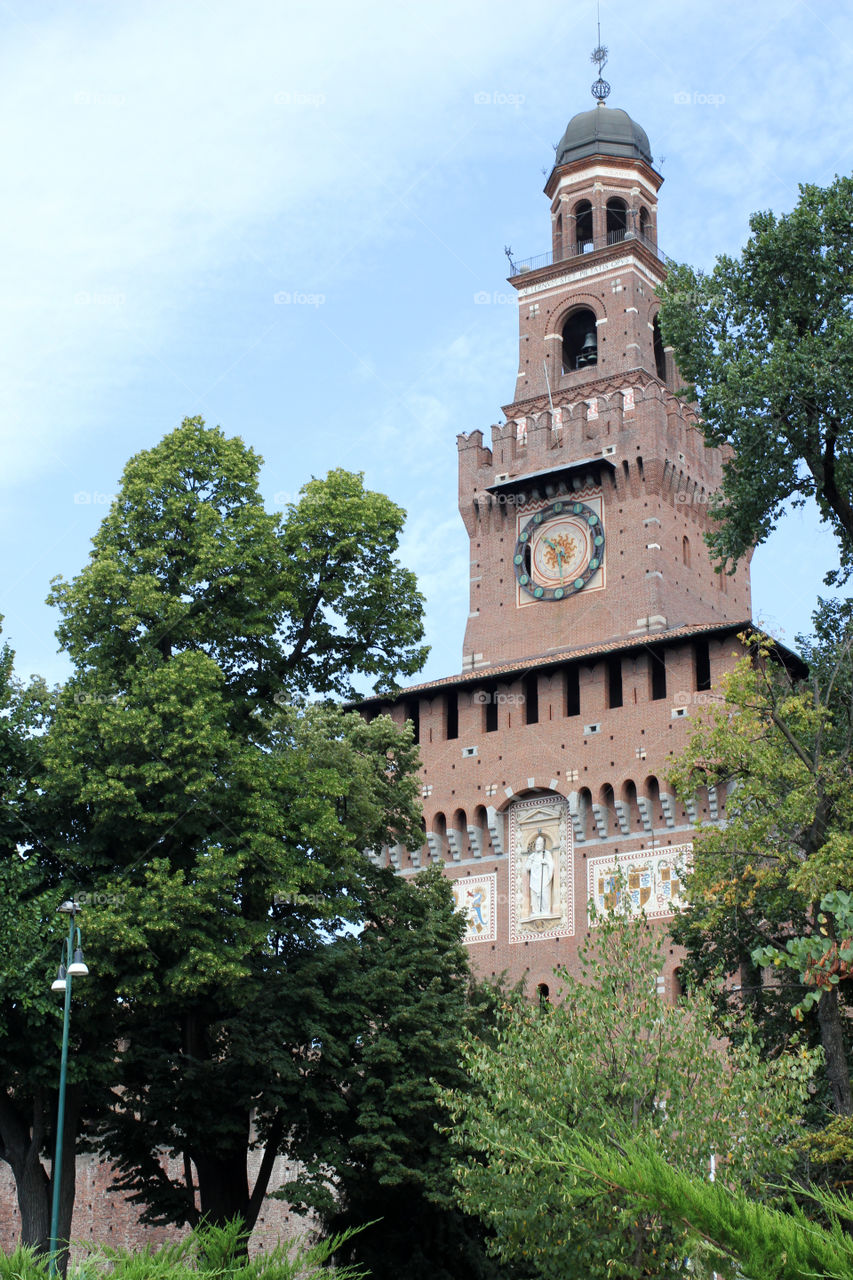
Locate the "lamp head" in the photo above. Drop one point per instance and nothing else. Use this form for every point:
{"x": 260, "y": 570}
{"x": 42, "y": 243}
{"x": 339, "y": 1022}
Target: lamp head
{"x": 59, "y": 983}
{"x": 77, "y": 967}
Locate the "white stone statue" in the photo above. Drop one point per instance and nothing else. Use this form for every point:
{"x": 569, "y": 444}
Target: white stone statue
{"x": 540, "y": 868}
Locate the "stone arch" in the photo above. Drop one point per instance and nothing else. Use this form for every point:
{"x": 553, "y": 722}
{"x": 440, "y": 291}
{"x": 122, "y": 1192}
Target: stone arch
{"x": 583, "y": 237}
{"x": 579, "y": 338}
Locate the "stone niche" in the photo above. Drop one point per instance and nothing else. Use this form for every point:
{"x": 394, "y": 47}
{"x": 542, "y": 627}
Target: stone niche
{"x": 541, "y": 861}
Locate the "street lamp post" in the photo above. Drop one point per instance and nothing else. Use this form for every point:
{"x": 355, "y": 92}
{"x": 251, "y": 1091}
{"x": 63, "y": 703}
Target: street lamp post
{"x": 71, "y": 965}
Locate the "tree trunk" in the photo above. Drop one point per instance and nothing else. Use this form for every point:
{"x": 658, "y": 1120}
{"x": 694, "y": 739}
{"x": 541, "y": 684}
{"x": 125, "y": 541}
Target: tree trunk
{"x": 33, "y": 1188}
{"x": 20, "y": 1145}
{"x": 223, "y": 1185}
{"x": 832, "y": 1039}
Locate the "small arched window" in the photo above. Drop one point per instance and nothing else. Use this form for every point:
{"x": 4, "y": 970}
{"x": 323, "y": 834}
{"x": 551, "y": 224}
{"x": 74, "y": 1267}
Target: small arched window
{"x": 629, "y": 799}
{"x": 584, "y": 809}
{"x": 580, "y": 341}
{"x": 617, "y": 220}
{"x": 685, "y": 551}
{"x": 439, "y": 826}
{"x": 583, "y": 227}
{"x": 543, "y": 993}
{"x": 558, "y": 237}
{"x": 660, "y": 354}
{"x": 644, "y": 222}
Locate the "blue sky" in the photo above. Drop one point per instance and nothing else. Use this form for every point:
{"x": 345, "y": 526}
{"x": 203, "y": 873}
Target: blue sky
{"x": 171, "y": 168}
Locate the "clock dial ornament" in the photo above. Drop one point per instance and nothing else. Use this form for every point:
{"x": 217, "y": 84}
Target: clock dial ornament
{"x": 559, "y": 550}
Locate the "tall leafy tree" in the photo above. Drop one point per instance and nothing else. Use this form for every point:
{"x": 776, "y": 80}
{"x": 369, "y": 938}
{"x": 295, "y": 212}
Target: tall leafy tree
{"x": 373, "y": 1141}
{"x": 30, "y": 1016}
{"x": 783, "y": 747}
{"x": 611, "y": 1057}
{"x": 765, "y": 341}
{"x": 218, "y": 821}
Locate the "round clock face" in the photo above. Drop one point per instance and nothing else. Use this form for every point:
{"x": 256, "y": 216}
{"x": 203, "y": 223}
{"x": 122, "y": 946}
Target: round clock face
{"x": 559, "y": 550}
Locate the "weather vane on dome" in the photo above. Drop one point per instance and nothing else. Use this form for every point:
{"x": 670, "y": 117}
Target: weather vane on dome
{"x": 601, "y": 88}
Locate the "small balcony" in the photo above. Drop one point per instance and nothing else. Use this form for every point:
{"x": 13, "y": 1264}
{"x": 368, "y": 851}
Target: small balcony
{"x": 582, "y": 247}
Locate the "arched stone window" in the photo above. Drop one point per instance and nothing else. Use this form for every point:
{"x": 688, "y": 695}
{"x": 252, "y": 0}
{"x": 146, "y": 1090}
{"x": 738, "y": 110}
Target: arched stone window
{"x": 580, "y": 340}
{"x": 645, "y": 223}
{"x": 584, "y": 809}
{"x": 439, "y": 826}
{"x": 660, "y": 354}
{"x": 583, "y": 227}
{"x": 617, "y": 220}
{"x": 685, "y": 551}
{"x": 629, "y": 800}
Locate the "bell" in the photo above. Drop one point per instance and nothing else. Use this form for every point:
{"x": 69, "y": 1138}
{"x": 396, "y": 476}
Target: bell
{"x": 589, "y": 351}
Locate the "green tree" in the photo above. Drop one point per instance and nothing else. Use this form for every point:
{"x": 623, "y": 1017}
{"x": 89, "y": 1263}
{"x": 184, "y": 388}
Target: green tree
{"x": 30, "y": 1014}
{"x": 612, "y": 1057}
{"x": 738, "y": 1235}
{"x": 217, "y": 822}
{"x": 782, "y": 744}
{"x": 766, "y": 343}
{"x": 403, "y": 1003}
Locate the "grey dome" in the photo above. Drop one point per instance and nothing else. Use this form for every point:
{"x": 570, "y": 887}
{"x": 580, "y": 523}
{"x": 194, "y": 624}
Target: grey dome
{"x": 604, "y": 131}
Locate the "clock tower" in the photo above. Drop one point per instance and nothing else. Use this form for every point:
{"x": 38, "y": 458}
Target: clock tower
{"x": 597, "y": 623}
{"x": 587, "y": 509}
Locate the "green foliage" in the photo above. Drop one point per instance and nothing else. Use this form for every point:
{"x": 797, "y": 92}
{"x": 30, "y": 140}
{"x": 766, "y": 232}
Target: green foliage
{"x": 188, "y": 560}
{"x": 23, "y": 1264}
{"x": 213, "y": 819}
{"x": 820, "y": 958}
{"x": 766, "y": 340}
{"x": 724, "y": 1227}
{"x": 612, "y": 1057}
{"x": 782, "y": 747}
{"x": 209, "y": 1251}
{"x": 403, "y": 1003}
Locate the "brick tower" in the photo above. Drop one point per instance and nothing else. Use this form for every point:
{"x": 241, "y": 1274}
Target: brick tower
{"x": 597, "y": 622}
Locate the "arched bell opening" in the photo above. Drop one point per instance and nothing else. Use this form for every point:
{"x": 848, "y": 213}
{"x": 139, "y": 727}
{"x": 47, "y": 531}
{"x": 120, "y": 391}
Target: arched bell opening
{"x": 583, "y": 227}
{"x": 580, "y": 340}
{"x": 617, "y": 220}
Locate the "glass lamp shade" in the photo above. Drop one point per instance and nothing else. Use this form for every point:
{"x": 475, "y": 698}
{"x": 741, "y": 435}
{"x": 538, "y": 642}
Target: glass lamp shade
{"x": 77, "y": 967}
{"x": 59, "y": 983}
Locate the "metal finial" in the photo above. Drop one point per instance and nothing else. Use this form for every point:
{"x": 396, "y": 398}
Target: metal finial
{"x": 508, "y": 252}
{"x": 600, "y": 88}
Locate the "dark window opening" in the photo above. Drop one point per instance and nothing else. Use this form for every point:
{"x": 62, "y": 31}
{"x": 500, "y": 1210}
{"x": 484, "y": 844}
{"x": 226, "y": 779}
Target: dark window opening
{"x": 685, "y": 551}
{"x": 617, "y": 220}
{"x": 413, "y": 713}
{"x": 614, "y": 682}
{"x": 573, "y": 691}
{"x": 558, "y": 236}
{"x": 658, "y": 668}
{"x": 660, "y": 354}
{"x": 583, "y": 227}
{"x": 543, "y": 992}
{"x": 640, "y": 467}
{"x": 644, "y": 221}
{"x": 453, "y": 715}
{"x": 491, "y": 709}
{"x": 531, "y": 699}
{"x": 702, "y": 659}
{"x": 580, "y": 341}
